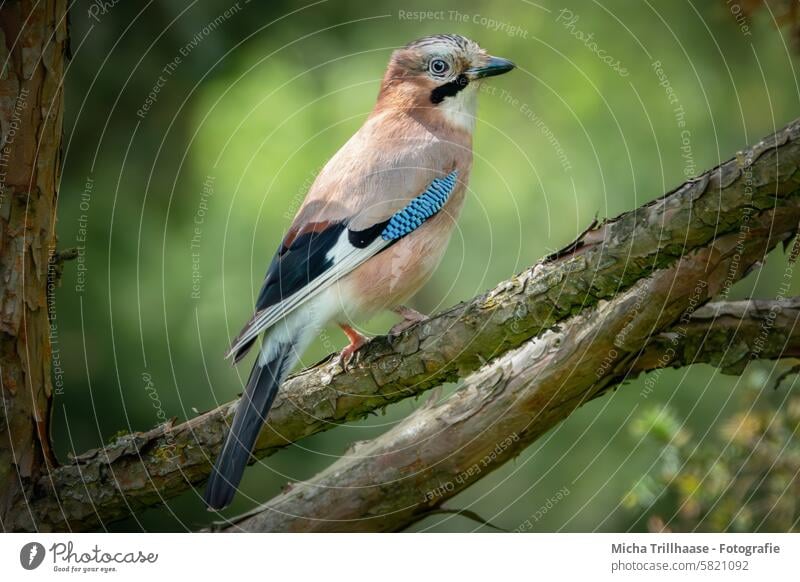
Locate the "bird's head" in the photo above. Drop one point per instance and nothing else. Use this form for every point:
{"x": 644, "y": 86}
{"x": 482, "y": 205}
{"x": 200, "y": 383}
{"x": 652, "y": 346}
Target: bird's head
{"x": 440, "y": 74}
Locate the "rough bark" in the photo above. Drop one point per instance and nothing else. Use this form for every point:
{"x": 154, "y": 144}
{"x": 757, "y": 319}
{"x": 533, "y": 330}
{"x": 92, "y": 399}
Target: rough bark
{"x": 729, "y": 204}
{"x": 728, "y": 335}
{"x": 33, "y": 44}
{"x": 389, "y": 483}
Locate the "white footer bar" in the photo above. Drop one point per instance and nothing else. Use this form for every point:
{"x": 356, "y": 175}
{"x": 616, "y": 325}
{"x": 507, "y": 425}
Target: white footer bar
{"x": 402, "y": 557}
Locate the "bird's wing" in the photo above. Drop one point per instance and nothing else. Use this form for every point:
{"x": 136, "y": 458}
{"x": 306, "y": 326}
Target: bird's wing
{"x": 318, "y": 254}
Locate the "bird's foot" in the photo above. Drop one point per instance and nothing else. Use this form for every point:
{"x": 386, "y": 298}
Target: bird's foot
{"x": 356, "y": 341}
{"x": 410, "y": 317}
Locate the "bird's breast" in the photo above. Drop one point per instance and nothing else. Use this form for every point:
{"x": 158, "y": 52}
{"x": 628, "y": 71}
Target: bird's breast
{"x": 393, "y": 276}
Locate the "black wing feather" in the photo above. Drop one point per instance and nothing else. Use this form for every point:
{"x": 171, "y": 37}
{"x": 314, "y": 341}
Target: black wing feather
{"x": 295, "y": 266}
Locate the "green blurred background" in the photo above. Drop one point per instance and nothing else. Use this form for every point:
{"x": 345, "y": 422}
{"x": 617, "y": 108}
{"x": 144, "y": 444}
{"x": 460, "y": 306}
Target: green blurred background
{"x": 178, "y": 208}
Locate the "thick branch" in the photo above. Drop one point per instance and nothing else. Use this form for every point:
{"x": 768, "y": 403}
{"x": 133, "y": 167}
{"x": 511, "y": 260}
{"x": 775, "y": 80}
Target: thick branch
{"x": 144, "y": 468}
{"x": 437, "y": 452}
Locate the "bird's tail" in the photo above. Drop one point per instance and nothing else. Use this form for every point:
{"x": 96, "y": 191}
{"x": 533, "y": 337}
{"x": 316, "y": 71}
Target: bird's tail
{"x": 251, "y": 412}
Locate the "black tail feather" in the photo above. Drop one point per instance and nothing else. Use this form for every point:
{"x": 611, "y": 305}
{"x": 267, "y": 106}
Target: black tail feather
{"x": 262, "y": 386}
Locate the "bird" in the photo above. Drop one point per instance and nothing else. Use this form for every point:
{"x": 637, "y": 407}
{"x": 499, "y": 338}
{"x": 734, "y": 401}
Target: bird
{"x": 371, "y": 231}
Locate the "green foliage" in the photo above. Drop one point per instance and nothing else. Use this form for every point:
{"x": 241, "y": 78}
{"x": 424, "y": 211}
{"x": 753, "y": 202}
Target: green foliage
{"x": 740, "y": 478}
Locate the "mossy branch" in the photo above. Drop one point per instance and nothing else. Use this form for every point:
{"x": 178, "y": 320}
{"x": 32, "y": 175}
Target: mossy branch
{"x": 409, "y": 472}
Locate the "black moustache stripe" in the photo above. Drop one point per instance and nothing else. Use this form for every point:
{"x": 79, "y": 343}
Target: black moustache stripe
{"x": 449, "y": 89}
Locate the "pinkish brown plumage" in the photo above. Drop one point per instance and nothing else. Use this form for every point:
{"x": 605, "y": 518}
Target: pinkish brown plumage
{"x": 372, "y": 229}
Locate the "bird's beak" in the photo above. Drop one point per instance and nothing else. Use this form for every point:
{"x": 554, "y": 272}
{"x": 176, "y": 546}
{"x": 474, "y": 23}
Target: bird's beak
{"x": 495, "y": 66}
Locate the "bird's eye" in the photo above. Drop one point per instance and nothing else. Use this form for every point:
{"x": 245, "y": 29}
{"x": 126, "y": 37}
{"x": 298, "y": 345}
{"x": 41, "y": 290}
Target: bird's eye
{"x": 438, "y": 66}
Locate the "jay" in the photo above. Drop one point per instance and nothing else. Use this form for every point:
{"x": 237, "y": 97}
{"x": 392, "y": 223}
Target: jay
{"x": 371, "y": 230}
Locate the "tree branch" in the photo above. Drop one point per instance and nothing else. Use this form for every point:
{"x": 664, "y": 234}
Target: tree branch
{"x": 753, "y": 197}
{"x": 728, "y": 335}
{"x": 402, "y": 476}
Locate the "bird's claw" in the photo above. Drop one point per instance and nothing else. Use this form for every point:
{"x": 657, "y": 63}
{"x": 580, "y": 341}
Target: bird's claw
{"x": 410, "y": 317}
{"x": 356, "y": 341}
{"x": 347, "y": 354}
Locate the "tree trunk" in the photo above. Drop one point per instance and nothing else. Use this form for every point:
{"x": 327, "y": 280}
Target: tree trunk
{"x": 33, "y": 45}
